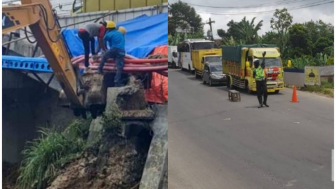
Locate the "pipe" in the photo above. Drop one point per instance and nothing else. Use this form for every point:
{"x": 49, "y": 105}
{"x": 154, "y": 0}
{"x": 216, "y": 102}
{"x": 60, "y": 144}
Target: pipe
{"x": 132, "y": 69}
{"x": 134, "y": 61}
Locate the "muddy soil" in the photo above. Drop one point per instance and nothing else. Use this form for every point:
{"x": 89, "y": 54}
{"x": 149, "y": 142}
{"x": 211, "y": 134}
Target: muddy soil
{"x": 118, "y": 166}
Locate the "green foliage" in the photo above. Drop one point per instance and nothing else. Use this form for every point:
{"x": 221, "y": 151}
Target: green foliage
{"x": 43, "y": 157}
{"x": 298, "y": 41}
{"x": 112, "y": 121}
{"x": 231, "y": 41}
{"x": 330, "y": 61}
{"x": 270, "y": 38}
{"x": 325, "y": 88}
{"x": 327, "y": 85}
{"x": 183, "y": 16}
{"x": 319, "y": 60}
{"x": 321, "y": 44}
{"x": 281, "y": 22}
{"x": 241, "y": 31}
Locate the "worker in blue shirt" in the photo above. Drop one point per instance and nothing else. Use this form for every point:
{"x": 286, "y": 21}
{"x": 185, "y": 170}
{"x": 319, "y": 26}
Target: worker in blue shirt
{"x": 115, "y": 38}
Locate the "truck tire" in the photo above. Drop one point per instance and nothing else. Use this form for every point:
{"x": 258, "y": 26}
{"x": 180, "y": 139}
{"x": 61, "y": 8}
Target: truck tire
{"x": 196, "y": 75}
{"x": 276, "y": 91}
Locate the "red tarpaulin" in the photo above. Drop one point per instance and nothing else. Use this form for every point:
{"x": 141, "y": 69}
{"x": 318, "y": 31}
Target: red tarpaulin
{"x": 158, "y": 92}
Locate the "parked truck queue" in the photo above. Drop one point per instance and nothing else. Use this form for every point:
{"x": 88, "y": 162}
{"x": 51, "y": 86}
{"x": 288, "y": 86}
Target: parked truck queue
{"x": 236, "y": 63}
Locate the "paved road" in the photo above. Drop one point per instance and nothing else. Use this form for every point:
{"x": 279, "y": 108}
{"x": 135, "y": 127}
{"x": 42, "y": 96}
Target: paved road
{"x": 218, "y": 144}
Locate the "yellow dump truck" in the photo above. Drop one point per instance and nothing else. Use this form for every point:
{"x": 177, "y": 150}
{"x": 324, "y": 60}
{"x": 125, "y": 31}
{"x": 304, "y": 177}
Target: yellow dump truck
{"x": 200, "y": 57}
{"x": 238, "y": 66}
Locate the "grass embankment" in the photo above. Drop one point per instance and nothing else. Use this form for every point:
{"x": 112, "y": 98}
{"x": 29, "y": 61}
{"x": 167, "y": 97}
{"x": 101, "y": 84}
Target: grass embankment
{"x": 44, "y": 157}
{"x": 326, "y": 89}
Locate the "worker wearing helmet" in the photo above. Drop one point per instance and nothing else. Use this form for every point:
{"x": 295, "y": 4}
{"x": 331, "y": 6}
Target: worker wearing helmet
{"x": 116, "y": 41}
{"x": 87, "y": 34}
{"x": 122, "y": 29}
{"x": 260, "y": 77}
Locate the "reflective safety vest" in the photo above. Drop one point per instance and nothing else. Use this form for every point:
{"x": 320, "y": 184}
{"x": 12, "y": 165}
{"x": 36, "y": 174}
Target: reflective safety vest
{"x": 260, "y": 74}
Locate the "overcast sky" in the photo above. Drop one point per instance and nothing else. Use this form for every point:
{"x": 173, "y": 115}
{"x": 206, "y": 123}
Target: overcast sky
{"x": 324, "y": 12}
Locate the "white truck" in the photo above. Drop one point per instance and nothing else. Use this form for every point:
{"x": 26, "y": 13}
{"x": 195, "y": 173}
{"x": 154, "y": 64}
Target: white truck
{"x": 172, "y": 56}
{"x": 186, "y": 47}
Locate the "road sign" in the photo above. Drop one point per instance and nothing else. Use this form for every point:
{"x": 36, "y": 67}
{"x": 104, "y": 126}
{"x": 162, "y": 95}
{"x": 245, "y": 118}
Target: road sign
{"x": 312, "y": 75}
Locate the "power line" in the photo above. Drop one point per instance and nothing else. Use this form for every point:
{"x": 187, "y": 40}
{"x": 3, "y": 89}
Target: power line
{"x": 249, "y": 6}
{"x": 244, "y": 13}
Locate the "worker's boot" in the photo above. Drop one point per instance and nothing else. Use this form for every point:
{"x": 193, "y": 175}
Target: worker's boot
{"x": 265, "y": 102}
{"x": 260, "y": 102}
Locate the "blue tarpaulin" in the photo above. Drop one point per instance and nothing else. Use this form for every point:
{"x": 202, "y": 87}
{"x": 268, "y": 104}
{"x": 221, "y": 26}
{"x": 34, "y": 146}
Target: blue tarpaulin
{"x": 144, "y": 33}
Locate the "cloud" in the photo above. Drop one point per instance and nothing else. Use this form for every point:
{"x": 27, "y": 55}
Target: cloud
{"x": 323, "y": 12}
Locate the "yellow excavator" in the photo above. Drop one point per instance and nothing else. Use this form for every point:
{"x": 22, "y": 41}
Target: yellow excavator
{"x": 39, "y": 16}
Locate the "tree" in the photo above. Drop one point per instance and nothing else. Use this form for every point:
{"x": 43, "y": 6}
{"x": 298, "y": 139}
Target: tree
{"x": 321, "y": 44}
{"x": 299, "y": 42}
{"x": 221, "y": 33}
{"x": 270, "y": 38}
{"x": 243, "y": 31}
{"x": 281, "y": 22}
{"x": 181, "y": 15}
{"x": 247, "y": 30}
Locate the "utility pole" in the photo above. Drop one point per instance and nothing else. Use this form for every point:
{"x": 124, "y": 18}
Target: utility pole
{"x": 210, "y": 23}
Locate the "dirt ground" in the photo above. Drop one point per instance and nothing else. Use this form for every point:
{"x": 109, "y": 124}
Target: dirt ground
{"x": 9, "y": 175}
{"x": 119, "y": 167}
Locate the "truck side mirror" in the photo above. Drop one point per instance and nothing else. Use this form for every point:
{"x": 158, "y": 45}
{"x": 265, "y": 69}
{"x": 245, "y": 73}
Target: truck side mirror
{"x": 289, "y": 64}
{"x": 247, "y": 64}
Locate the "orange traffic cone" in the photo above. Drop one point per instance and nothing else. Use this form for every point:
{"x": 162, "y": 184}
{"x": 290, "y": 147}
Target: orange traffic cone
{"x": 294, "y": 97}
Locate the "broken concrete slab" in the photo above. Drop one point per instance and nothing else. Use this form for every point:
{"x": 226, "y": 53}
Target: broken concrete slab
{"x": 156, "y": 163}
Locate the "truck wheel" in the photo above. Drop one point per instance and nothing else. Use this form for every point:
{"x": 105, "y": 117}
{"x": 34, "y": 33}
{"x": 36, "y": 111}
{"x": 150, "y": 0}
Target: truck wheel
{"x": 196, "y": 75}
{"x": 231, "y": 85}
{"x": 276, "y": 91}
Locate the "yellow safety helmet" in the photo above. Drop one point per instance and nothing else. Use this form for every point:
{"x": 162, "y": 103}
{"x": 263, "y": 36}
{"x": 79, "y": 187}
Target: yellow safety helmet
{"x": 122, "y": 29}
{"x": 110, "y": 25}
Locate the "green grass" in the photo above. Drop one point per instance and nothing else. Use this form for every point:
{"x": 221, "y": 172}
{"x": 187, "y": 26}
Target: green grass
{"x": 44, "y": 156}
{"x": 327, "y": 85}
{"x": 325, "y": 88}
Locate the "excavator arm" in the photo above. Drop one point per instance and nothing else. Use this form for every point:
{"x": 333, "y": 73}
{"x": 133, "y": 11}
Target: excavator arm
{"x": 38, "y": 15}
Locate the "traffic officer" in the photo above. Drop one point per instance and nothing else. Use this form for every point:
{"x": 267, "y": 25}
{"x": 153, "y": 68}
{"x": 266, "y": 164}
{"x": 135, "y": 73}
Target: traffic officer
{"x": 116, "y": 41}
{"x": 260, "y": 77}
{"x": 87, "y": 34}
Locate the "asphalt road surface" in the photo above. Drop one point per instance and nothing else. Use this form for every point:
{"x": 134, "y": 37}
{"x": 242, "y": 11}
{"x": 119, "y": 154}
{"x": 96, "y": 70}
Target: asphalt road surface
{"x": 218, "y": 144}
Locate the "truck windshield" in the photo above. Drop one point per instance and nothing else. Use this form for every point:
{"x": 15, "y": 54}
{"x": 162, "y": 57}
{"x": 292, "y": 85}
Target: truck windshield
{"x": 272, "y": 62}
{"x": 203, "y": 45}
{"x": 213, "y": 59}
{"x": 216, "y": 68}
